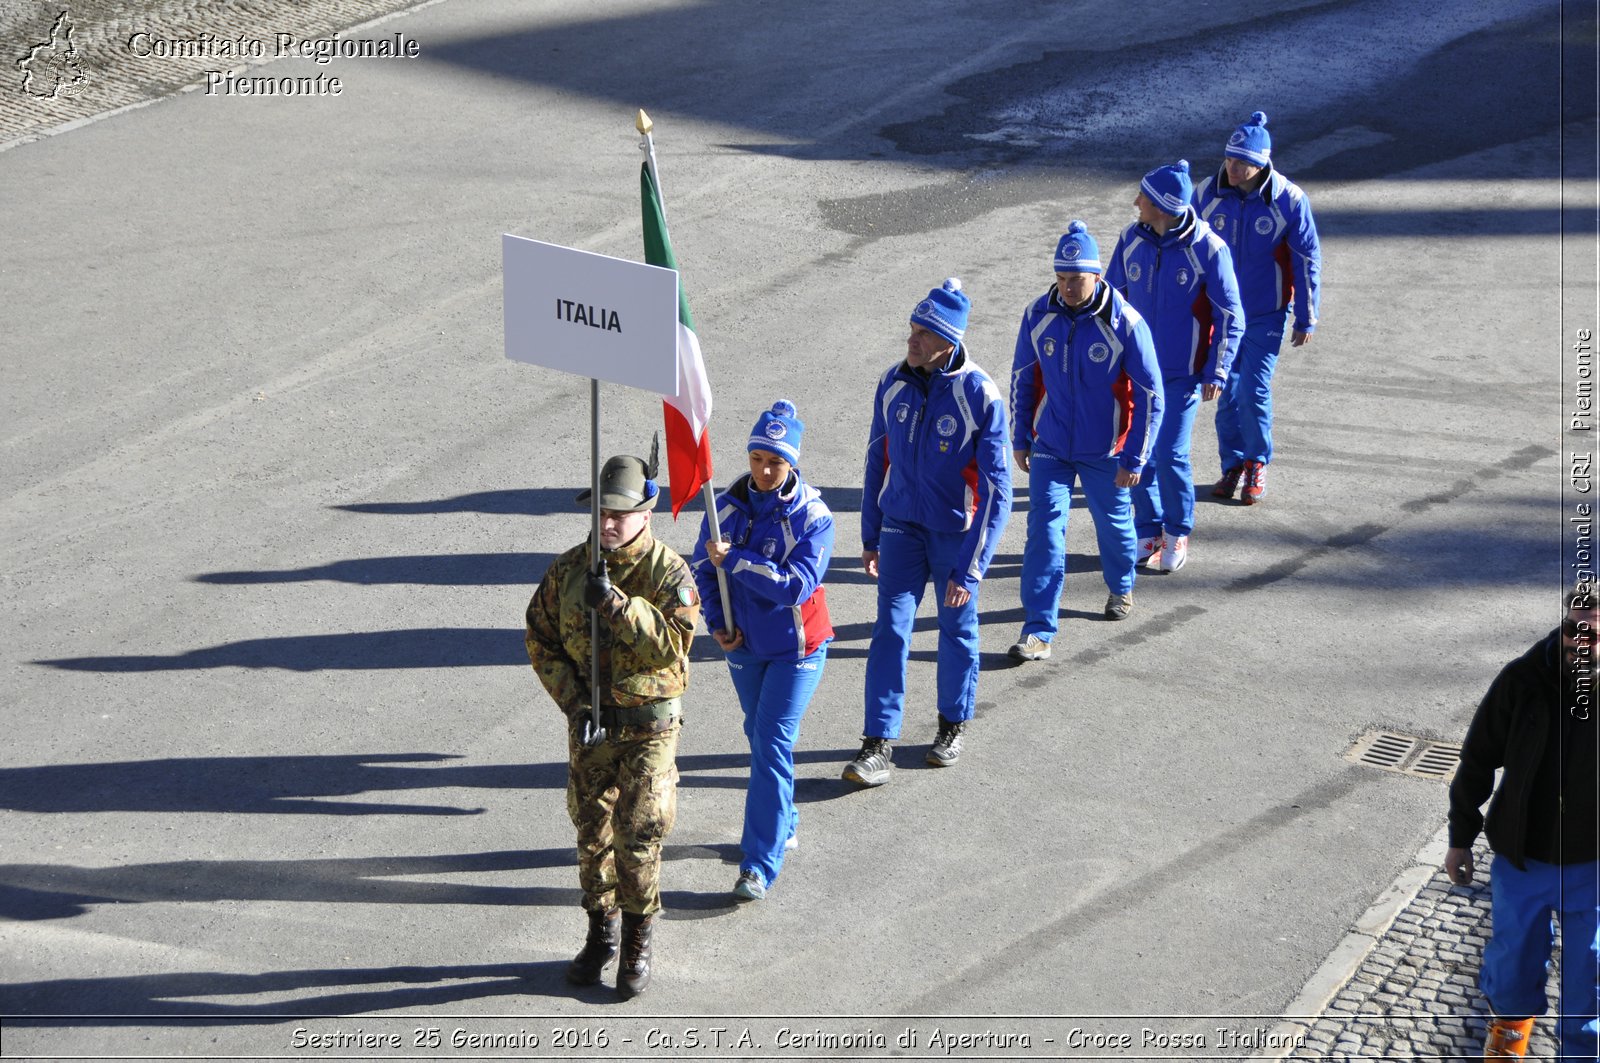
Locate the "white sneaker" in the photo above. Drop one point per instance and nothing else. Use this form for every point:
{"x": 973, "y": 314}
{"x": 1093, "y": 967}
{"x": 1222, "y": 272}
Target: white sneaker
{"x": 1030, "y": 648}
{"x": 1148, "y": 549}
{"x": 1174, "y": 553}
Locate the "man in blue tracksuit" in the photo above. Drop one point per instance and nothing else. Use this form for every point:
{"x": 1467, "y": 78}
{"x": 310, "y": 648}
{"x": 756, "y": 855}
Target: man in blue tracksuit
{"x": 1085, "y": 400}
{"x": 1266, "y": 222}
{"x": 936, "y": 496}
{"x": 1179, "y": 275}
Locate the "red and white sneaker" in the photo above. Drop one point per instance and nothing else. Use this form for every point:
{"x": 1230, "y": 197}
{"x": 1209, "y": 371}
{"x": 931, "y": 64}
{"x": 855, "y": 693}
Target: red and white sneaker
{"x": 1255, "y": 482}
{"x": 1174, "y": 553}
{"x": 1148, "y": 550}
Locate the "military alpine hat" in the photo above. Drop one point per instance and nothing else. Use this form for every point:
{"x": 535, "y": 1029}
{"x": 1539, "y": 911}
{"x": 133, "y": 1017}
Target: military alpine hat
{"x": 627, "y": 484}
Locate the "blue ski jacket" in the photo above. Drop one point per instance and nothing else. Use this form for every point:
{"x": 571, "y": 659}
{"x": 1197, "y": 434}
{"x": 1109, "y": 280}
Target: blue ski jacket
{"x": 1273, "y": 238}
{"x": 1182, "y": 283}
{"x": 781, "y": 543}
{"x": 1086, "y": 383}
{"x": 937, "y": 458}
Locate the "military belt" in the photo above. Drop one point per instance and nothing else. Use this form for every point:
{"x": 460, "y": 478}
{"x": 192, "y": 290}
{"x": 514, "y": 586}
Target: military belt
{"x": 656, "y": 716}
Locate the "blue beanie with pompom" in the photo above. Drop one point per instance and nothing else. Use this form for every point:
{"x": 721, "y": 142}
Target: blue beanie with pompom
{"x": 778, "y": 430}
{"x": 1076, "y": 251}
{"x": 945, "y": 311}
{"x": 1169, "y": 187}
{"x": 1251, "y": 141}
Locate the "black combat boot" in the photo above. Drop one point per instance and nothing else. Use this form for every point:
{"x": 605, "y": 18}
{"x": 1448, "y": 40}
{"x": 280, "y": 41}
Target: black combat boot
{"x": 599, "y": 948}
{"x": 634, "y": 974}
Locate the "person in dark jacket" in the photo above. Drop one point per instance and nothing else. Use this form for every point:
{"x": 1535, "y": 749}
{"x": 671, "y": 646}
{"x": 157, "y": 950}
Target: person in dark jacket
{"x": 777, "y": 539}
{"x": 1537, "y": 722}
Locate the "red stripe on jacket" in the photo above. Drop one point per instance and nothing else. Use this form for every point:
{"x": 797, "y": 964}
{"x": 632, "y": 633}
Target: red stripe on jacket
{"x": 1203, "y": 313}
{"x": 814, "y": 618}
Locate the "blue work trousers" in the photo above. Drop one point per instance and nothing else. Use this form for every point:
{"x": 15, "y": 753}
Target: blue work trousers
{"x": 1044, "y": 558}
{"x": 1163, "y": 499}
{"x": 1244, "y": 410}
{"x": 1516, "y": 959}
{"x": 908, "y": 557}
{"x": 774, "y": 695}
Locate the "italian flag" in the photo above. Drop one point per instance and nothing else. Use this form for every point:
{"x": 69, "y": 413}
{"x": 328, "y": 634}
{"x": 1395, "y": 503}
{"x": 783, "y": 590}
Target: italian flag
{"x": 689, "y": 411}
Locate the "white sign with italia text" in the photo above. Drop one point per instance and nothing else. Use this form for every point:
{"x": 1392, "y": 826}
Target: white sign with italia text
{"x": 590, "y": 314}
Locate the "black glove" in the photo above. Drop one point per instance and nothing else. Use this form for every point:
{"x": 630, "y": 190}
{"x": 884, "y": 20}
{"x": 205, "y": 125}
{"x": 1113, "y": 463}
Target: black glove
{"x": 597, "y": 591}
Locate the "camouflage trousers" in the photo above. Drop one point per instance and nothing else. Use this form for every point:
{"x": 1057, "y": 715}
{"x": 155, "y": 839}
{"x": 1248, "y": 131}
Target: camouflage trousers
{"x": 622, "y": 796}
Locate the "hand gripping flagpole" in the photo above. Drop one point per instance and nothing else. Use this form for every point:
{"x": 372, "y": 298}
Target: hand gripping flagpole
{"x": 647, "y": 144}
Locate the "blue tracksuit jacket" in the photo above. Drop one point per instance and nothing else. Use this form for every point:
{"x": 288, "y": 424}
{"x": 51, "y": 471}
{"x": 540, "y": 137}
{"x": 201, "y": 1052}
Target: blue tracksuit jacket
{"x": 781, "y": 543}
{"x": 1085, "y": 384}
{"x": 937, "y": 458}
{"x": 1182, "y": 284}
{"x": 1273, "y": 238}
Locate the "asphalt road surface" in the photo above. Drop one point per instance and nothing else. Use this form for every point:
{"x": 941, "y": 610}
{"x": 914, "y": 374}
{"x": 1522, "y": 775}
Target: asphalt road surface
{"x": 274, "y": 502}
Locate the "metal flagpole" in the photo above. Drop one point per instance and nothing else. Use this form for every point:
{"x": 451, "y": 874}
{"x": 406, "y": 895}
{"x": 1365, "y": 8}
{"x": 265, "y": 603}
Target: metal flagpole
{"x": 592, "y": 735}
{"x": 647, "y": 144}
{"x": 715, "y": 529}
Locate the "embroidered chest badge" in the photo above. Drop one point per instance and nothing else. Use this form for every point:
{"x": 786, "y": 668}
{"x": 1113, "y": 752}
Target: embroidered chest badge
{"x": 1183, "y": 278}
{"x": 1134, "y": 271}
{"x": 1099, "y": 352}
{"x": 1263, "y": 225}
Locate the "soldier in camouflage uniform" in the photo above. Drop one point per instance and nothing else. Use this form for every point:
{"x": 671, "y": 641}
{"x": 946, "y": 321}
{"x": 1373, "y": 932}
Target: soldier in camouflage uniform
{"x": 621, "y": 791}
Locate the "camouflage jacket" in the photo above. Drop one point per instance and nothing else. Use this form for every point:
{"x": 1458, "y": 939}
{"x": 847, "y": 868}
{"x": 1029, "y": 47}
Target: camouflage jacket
{"x": 644, "y": 644}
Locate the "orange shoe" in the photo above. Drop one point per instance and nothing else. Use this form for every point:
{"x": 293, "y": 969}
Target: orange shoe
{"x": 1507, "y": 1039}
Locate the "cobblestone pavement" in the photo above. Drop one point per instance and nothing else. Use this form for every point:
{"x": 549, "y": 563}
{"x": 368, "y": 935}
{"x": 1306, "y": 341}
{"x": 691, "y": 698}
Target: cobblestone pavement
{"x": 1415, "y": 993}
{"x": 68, "y": 60}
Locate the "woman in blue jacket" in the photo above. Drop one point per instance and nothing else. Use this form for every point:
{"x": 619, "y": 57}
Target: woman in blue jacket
{"x": 777, "y": 537}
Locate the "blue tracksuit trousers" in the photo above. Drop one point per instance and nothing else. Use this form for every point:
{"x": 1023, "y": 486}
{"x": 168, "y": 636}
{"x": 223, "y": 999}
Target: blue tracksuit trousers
{"x": 908, "y": 556}
{"x": 774, "y": 695}
{"x": 1163, "y": 499}
{"x": 1244, "y": 410}
{"x": 1044, "y": 558}
{"x": 1515, "y": 959}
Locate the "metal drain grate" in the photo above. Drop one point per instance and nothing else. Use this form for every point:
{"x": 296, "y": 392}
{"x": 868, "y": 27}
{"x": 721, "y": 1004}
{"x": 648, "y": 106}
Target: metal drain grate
{"x": 1405, "y": 754}
{"x": 1437, "y": 761}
